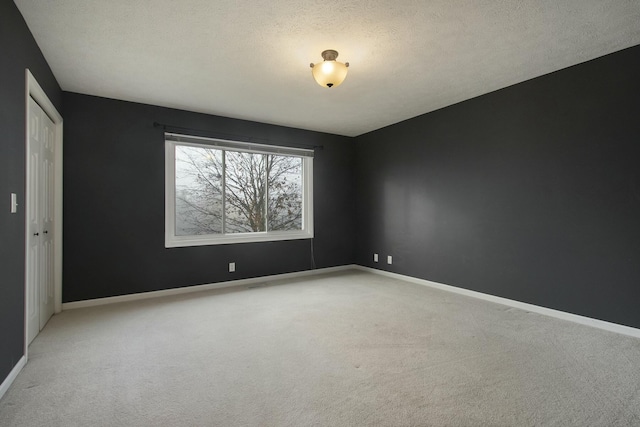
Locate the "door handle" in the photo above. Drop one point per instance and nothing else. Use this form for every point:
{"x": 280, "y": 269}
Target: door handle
{"x": 36, "y": 234}
{"x": 46, "y": 232}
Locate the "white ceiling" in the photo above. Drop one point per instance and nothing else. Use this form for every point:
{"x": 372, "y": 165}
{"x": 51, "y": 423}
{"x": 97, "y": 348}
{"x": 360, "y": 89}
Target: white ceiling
{"x": 249, "y": 59}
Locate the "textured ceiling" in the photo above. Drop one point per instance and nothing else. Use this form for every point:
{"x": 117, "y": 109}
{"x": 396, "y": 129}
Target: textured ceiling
{"x": 250, "y": 59}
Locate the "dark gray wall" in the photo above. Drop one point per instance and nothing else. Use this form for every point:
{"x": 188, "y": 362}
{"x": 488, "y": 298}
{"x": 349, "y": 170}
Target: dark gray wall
{"x": 530, "y": 193}
{"x": 114, "y": 203}
{"x": 18, "y": 51}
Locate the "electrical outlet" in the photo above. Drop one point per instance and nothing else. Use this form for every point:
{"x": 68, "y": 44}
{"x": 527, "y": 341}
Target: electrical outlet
{"x": 232, "y": 267}
{"x": 389, "y": 259}
{"x": 375, "y": 257}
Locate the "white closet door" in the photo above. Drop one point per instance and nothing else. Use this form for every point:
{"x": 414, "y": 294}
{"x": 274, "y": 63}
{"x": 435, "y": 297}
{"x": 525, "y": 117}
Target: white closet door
{"x": 39, "y": 271}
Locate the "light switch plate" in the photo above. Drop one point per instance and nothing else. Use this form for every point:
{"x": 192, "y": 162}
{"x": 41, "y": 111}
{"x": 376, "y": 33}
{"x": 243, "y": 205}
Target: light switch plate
{"x": 14, "y": 203}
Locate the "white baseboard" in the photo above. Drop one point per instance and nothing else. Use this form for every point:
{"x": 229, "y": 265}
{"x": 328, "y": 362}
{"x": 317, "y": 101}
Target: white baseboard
{"x": 199, "y": 288}
{"x": 583, "y": 320}
{"x": 595, "y": 323}
{"x": 12, "y": 376}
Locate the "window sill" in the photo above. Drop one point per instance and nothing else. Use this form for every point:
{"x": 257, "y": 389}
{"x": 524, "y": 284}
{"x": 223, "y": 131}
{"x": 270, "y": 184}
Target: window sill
{"x": 228, "y": 239}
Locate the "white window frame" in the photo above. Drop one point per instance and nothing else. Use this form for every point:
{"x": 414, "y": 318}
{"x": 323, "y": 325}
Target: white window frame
{"x": 171, "y": 240}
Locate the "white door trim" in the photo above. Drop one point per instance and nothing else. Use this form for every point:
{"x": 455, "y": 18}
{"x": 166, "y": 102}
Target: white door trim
{"x": 35, "y": 91}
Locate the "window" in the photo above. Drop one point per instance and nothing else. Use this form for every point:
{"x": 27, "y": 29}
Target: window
{"x": 219, "y": 192}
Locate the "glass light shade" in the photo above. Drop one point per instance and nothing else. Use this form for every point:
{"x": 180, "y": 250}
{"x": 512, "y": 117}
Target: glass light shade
{"x": 329, "y": 73}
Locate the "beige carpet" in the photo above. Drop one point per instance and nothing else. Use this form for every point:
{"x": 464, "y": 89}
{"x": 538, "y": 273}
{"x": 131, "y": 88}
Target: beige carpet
{"x": 349, "y": 349}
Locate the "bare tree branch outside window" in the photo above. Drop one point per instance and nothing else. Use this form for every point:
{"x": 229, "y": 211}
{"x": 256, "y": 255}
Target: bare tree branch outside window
{"x": 221, "y": 191}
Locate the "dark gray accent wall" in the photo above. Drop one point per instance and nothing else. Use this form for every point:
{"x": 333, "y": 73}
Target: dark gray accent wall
{"x": 18, "y": 51}
{"x": 114, "y": 203}
{"x": 530, "y": 193}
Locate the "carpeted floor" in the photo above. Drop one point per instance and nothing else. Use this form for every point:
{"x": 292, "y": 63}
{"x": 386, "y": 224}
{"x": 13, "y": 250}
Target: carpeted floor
{"x": 347, "y": 349}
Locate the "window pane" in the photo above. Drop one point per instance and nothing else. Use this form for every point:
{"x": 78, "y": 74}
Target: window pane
{"x": 285, "y": 193}
{"x": 223, "y": 195}
{"x": 198, "y": 191}
{"x": 245, "y": 185}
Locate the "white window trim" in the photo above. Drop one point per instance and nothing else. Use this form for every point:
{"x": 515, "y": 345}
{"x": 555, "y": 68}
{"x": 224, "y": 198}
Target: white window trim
{"x": 173, "y": 241}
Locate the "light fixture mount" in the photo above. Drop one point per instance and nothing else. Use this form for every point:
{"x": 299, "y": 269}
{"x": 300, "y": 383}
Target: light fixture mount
{"x": 329, "y": 73}
{"x": 329, "y": 55}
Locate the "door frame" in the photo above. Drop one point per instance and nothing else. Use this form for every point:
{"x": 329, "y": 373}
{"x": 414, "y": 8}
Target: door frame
{"x": 35, "y": 91}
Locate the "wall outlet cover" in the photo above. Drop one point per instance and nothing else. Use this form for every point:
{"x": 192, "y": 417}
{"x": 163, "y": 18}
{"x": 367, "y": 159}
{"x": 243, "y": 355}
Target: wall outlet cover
{"x": 389, "y": 259}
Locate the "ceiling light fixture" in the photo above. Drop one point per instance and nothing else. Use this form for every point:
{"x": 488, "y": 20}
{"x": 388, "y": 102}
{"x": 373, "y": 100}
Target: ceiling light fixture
{"x": 329, "y": 73}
